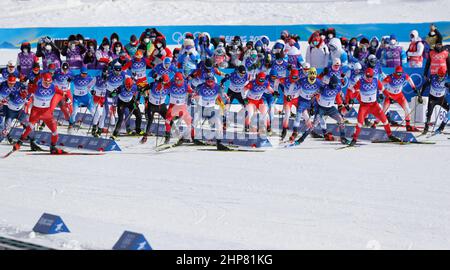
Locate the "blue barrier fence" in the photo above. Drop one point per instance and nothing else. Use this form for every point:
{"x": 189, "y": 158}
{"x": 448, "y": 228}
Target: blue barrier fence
{"x": 13, "y": 37}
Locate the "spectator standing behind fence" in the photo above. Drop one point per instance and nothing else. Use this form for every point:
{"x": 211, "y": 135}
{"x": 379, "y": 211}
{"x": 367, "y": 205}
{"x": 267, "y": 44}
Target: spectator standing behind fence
{"x": 415, "y": 50}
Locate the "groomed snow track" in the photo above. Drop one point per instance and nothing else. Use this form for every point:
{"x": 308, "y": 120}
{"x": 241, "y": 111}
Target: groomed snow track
{"x": 11, "y": 244}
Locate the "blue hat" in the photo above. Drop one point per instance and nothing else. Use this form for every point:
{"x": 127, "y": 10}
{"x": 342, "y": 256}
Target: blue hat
{"x": 392, "y": 36}
{"x": 167, "y": 60}
{"x": 273, "y": 72}
{"x": 83, "y": 70}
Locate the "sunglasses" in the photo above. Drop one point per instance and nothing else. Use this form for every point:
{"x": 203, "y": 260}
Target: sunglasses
{"x": 369, "y": 76}
{"x": 295, "y": 77}
{"x": 399, "y": 73}
{"x": 261, "y": 80}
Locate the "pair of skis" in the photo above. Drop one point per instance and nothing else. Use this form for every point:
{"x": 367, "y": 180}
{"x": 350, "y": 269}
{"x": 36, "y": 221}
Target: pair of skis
{"x": 47, "y": 152}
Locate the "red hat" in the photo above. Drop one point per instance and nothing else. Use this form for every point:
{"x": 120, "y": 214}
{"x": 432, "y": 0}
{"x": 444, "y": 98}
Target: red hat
{"x": 128, "y": 82}
{"x": 260, "y": 78}
{"x": 398, "y": 71}
{"x": 11, "y": 79}
{"x": 294, "y": 74}
{"x": 369, "y": 73}
{"x": 441, "y": 72}
{"x": 165, "y": 78}
{"x": 178, "y": 78}
{"x": 138, "y": 54}
{"x": 47, "y": 77}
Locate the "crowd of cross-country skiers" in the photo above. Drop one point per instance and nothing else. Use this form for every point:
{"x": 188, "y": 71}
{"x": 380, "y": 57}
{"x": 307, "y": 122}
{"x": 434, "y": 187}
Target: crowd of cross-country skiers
{"x": 145, "y": 70}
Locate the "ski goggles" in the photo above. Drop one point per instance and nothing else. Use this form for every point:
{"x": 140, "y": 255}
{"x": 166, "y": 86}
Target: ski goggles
{"x": 294, "y": 78}
{"x": 399, "y": 74}
{"x": 261, "y": 80}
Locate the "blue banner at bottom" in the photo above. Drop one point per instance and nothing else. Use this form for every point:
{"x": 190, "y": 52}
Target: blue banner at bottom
{"x": 73, "y": 141}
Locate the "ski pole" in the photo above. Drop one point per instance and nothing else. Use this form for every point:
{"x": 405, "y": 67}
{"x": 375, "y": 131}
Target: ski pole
{"x": 93, "y": 118}
{"x": 82, "y": 119}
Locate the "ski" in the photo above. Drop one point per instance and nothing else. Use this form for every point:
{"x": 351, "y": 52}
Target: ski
{"x": 166, "y": 146}
{"x": 232, "y": 150}
{"x": 9, "y": 153}
{"x": 433, "y": 134}
{"x": 65, "y": 154}
{"x": 349, "y": 146}
{"x": 404, "y": 142}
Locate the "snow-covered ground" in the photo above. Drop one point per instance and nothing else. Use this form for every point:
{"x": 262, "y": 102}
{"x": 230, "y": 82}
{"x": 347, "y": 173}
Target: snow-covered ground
{"x": 51, "y": 13}
{"x": 375, "y": 196}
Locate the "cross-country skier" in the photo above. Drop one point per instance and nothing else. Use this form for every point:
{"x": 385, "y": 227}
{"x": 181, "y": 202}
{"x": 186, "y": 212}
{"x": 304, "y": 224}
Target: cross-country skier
{"x": 393, "y": 86}
{"x": 327, "y": 95}
{"x": 207, "y": 95}
{"x": 82, "y": 86}
{"x": 62, "y": 80}
{"x": 179, "y": 91}
{"x": 13, "y": 105}
{"x": 438, "y": 91}
{"x": 271, "y": 98}
{"x": 157, "y": 102}
{"x": 127, "y": 94}
{"x": 99, "y": 94}
{"x": 353, "y": 75}
{"x": 255, "y": 90}
{"x": 238, "y": 79}
{"x": 115, "y": 80}
{"x": 369, "y": 89}
{"x": 43, "y": 94}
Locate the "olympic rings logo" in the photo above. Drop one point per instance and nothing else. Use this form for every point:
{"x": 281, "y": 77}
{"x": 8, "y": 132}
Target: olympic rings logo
{"x": 418, "y": 82}
{"x": 178, "y": 37}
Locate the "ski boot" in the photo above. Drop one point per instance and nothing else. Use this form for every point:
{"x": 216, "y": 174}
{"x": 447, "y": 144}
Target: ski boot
{"x": 328, "y": 136}
{"x": 113, "y": 136}
{"x": 10, "y": 139}
{"x": 34, "y": 147}
{"x": 17, "y": 145}
{"x": 345, "y": 140}
{"x": 316, "y": 135}
{"x": 131, "y": 132}
{"x": 70, "y": 129}
{"x": 440, "y": 129}
{"x": 412, "y": 128}
{"x": 301, "y": 139}
{"x": 246, "y": 129}
{"x": 144, "y": 139}
{"x": 425, "y": 129}
{"x": 283, "y": 133}
{"x": 99, "y": 132}
{"x": 222, "y": 147}
{"x": 94, "y": 131}
{"x": 56, "y": 151}
{"x": 197, "y": 142}
{"x": 167, "y": 137}
{"x": 352, "y": 142}
{"x": 294, "y": 135}
{"x": 374, "y": 125}
{"x": 394, "y": 138}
